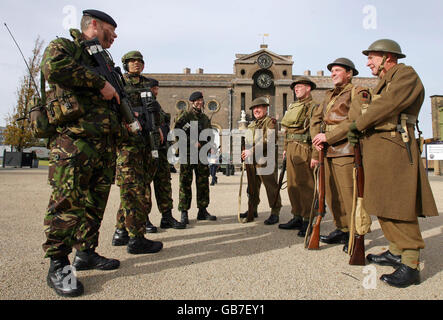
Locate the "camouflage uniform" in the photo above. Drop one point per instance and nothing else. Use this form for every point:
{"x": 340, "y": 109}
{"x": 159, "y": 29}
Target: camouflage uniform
{"x": 162, "y": 178}
{"x": 135, "y": 170}
{"x": 81, "y": 165}
{"x": 201, "y": 170}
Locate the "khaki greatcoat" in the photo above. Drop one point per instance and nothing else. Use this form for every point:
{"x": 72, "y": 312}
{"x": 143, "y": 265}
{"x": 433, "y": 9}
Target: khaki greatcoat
{"x": 394, "y": 188}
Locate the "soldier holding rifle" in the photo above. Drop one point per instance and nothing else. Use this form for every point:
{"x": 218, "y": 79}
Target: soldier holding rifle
{"x": 137, "y": 159}
{"x": 341, "y": 104}
{"x": 82, "y": 158}
{"x": 396, "y": 188}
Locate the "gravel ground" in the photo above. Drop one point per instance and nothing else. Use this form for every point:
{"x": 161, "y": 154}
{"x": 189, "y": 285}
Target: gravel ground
{"x": 211, "y": 260}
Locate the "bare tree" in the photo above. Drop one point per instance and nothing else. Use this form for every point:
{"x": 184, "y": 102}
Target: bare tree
{"x": 18, "y": 132}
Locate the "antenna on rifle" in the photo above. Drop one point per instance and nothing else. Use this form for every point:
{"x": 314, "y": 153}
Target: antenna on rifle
{"x": 27, "y": 66}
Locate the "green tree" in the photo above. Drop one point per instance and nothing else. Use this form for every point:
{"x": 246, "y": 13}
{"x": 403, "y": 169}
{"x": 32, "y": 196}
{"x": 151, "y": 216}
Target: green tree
{"x": 18, "y": 130}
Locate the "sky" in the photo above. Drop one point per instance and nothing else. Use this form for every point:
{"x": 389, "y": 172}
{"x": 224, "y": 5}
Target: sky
{"x": 173, "y": 34}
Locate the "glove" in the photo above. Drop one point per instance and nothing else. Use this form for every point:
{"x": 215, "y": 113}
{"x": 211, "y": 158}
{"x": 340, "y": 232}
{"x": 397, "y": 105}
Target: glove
{"x": 353, "y": 134}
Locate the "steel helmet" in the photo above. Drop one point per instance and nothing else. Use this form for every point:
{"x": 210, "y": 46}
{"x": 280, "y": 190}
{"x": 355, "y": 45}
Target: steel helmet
{"x": 385, "y": 45}
{"x": 344, "y": 62}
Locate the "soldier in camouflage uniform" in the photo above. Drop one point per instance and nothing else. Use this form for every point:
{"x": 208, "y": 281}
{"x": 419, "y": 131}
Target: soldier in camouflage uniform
{"x": 162, "y": 177}
{"x": 135, "y": 170}
{"x": 183, "y": 121}
{"x": 81, "y": 166}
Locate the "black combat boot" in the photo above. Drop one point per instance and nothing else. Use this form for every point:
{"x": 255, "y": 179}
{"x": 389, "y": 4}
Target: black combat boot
{"x": 402, "y": 277}
{"x": 385, "y": 259}
{"x": 184, "y": 217}
{"x": 62, "y": 279}
{"x": 168, "y": 221}
{"x": 245, "y": 214}
{"x": 120, "y": 238}
{"x": 141, "y": 245}
{"x": 150, "y": 228}
{"x": 89, "y": 259}
{"x": 294, "y": 223}
{"x": 336, "y": 236}
{"x": 304, "y": 227}
{"x": 273, "y": 219}
{"x": 203, "y": 214}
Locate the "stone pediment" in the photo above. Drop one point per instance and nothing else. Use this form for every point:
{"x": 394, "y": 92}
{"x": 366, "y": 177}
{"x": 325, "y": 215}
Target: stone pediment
{"x": 252, "y": 58}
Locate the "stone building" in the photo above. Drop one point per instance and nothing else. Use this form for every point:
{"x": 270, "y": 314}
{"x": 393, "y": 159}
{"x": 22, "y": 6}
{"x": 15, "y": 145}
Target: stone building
{"x": 261, "y": 73}
{"x": 437, "y": 127}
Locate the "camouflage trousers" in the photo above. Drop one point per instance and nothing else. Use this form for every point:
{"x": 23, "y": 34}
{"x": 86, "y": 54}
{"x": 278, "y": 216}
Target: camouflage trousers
{"x": 162, "y": 183}
{"x": 81, "y": 172}
{"x": 202, "y": 185}
{"x": 135, "y": 171}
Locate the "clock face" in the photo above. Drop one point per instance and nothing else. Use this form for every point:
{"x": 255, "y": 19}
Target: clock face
{"x": 264, "y": 61}
{"x": 264, "y": 81}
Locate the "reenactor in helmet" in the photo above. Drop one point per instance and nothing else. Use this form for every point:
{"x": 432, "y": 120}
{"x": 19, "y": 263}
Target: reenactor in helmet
{"x": 82, "y": 158}
{"x": 298, "y": 150}
{"x": 329, "y": 126}
{"x": 264, "y": 136}
{"x": 397, "y": 190}
{"x": 184, "y": 121}
{"x": 135, "y": 169}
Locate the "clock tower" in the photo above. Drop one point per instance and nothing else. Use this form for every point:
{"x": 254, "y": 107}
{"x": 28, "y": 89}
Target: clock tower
{"x": 263, "y": 73}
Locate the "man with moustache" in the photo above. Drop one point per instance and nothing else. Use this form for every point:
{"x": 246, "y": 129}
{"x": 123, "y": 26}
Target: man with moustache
{"x": 298, "y": 150}
{"x": 329, "y": 126}
{"x": 397, "y": 190}
{"x": 82, "y": 158}
{"x": 264, "y": 136}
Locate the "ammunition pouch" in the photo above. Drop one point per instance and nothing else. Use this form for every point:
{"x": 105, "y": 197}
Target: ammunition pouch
{"x": 38, "y": 117}
{"x": 63, "y": 107}
{"x": 295, "y": 116}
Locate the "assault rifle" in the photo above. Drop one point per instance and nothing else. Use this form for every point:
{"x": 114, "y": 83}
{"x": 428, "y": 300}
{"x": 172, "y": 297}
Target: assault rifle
{"x": 357, "y": 247}
{"x": 315, "y": 235}
{"x": 114, "y": 76}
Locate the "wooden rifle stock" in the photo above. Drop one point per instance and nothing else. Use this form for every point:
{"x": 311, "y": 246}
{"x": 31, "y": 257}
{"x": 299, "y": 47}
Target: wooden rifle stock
{"x": 358, "y": 250}
{"x": 314, "y": 240}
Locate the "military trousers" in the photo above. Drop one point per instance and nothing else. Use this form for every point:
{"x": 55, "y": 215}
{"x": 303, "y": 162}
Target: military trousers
{"x": 81, "y": 172}
{"x": 135, "y": 171}
{"x": 339, "y": 189}
{"x": 270, "y": 182}
{"x": 300, "y": 178}
{"x": 201, "y": 182}
{"x": 162, "y": 183}
{"x": 405, "y": 239}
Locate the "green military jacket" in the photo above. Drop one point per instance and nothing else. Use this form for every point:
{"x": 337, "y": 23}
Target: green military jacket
{"x": 67, "y": 65}
{"x": 183, "y": 121}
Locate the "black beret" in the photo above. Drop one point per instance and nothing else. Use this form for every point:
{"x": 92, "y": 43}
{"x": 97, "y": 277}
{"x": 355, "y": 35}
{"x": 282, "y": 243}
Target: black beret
{"x": 153, "y": 82}
{"x": 195, "y": 96}
{"x": 101, "y": 16}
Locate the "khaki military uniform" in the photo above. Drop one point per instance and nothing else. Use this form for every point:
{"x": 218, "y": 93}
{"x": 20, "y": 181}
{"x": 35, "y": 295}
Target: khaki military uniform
{"x": 396, "y": 191}
{"x": 255, "y": 141}
{"x": 297, "y": 144}
{"x": 340, "y": 106}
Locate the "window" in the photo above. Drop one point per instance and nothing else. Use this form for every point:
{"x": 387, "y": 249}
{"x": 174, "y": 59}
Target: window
{"x": 213, "y": 105}
{"x": 181, "y": 105}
